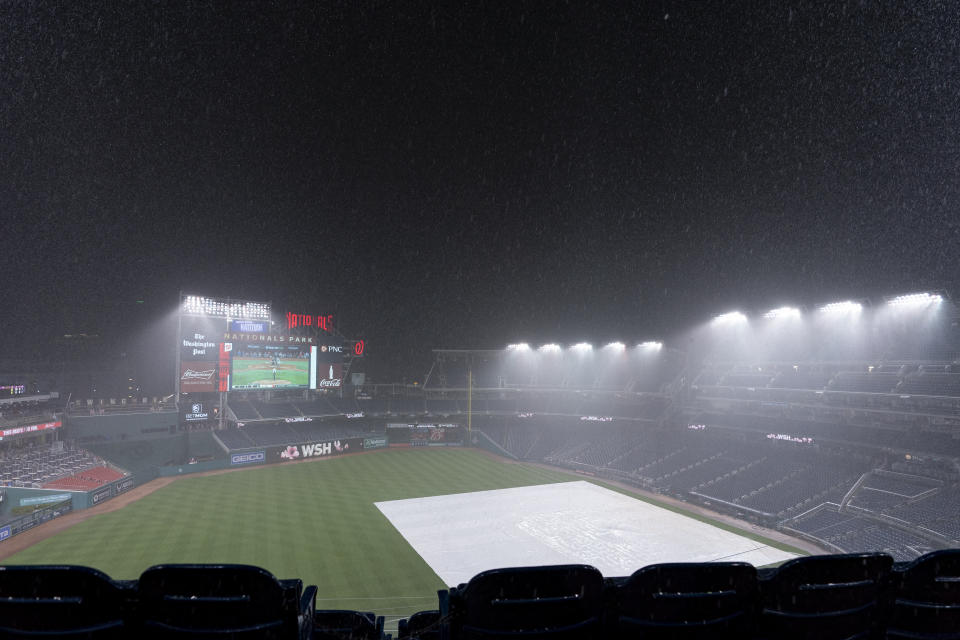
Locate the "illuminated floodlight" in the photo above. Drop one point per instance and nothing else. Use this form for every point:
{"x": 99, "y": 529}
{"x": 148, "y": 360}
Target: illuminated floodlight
{"x": 915, "y": 300}
{"x": 549, "y": 348}
{"x": 732, "y": 317}
{"x": 201, "y": 305}
{"x": 651, "y": 344}
{"x": 520, "y": 346}
{"x": 782, "y": 313}
{"x": 582, "y": 347}
{"x": 616, "y": 346}
{"x": 842, "y": 308}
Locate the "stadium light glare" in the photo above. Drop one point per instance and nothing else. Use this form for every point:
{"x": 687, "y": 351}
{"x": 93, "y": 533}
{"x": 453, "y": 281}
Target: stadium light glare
{"x": 582, "y": 347}
{"x": 732, "y": 317}
{"x": 201, "y": 305}
{"x": 782, "y": 313}
{"x": 616, "y": 346}
{"x": 651, "y": 344}
{"x": 916, "y": 300}
{"x": 520, "y": 346}
{"x": 549, "y": 348}
{"x": 841, "y": 308}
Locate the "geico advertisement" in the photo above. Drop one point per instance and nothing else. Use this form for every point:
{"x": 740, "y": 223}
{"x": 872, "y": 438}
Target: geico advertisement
{"x": 306, "y": 451}
{"x": 250, "y": 457}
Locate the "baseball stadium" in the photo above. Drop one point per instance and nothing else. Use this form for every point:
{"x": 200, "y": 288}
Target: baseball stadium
{"x": 760, "y": 475}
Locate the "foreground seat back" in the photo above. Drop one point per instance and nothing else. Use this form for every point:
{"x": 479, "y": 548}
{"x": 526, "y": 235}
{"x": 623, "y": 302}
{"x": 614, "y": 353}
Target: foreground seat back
{"x": 687, "y": 600}
{"x": 236, "y": 601}
{"x": 422, "y": 625}
{"x": 926, "y": 598}
{"x": 826, "y": 597}
{"x": 60, "y": 601}
{"x": 564, "y": 601}
{"x": 342, "y": 624}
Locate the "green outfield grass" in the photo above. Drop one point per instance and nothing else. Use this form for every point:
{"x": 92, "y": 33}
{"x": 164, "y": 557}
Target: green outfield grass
{"x": 247, "y": 371}
{"x": 313, "y": 520}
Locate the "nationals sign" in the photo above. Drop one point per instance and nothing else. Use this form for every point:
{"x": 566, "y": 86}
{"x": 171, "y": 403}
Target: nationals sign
{"x": 295, "y": 320}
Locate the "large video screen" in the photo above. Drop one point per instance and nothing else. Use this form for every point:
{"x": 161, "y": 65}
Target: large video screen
{"x": 272, "y": 366}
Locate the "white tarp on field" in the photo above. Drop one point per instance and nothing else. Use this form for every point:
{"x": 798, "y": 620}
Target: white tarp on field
{"x": 463, "y": 534}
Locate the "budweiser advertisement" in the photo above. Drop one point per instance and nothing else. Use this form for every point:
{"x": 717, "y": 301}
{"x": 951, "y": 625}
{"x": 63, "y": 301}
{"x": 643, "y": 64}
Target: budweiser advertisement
{"x": 197, "y": 376}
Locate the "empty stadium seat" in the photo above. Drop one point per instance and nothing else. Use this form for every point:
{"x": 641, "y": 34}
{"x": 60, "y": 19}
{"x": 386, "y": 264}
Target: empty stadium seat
{"x": 926, "y": 598}
{"x": 563, "y": 601}
{"x": 423, "y": 625}
{"x": 825, "y": 597}
{"x": 235, "y": 601}
{"x": 62, "y": 602}
{"x": 687, "y": 600}
{"x": 340, "y": 624}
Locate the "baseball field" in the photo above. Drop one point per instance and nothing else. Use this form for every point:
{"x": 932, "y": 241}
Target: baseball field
{"x": 314, "y": 520}
{"x": 258, "y": 372}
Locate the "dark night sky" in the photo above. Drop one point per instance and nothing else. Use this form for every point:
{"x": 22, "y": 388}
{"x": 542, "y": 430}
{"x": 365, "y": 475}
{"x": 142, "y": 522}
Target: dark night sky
{"x": 444, "y": 178}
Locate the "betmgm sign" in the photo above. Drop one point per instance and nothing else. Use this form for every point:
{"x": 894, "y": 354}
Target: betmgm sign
{"x": 197, "y": 412}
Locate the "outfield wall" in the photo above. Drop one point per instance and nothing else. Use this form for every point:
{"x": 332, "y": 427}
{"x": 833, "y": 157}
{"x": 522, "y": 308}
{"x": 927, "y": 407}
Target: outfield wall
{"x": 145, "y": 457}
{"x": 26, "y": 522}
{"x": 18, "y": 497}
{"x": 301, "y": 451}
{"x": 61, "y": 502}
{"x": 122, "y": 426}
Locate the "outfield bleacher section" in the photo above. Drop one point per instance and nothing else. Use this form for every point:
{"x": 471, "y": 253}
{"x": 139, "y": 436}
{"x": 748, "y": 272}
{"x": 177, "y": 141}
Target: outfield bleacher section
{"x": 39, "y": 466}
{"x": 86, "y": 480}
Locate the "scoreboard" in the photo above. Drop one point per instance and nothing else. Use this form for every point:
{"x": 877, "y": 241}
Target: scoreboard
{"x": 220, "y": 353}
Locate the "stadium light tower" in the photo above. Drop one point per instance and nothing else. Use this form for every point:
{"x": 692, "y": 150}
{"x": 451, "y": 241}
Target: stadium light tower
{"x": 224, "y": 308}
{"x": 616, "y": 346}
{"x": 847, "y": 307}
{"x": 730, "y": 318}
{"x": 549, "y": 348}
{"x": 782, "y": 313}
{"x": 582, "y": 347}
{"x": 915, "y": 300}
{"x": 652, "y": 345}
{"x": 520, "y": 346}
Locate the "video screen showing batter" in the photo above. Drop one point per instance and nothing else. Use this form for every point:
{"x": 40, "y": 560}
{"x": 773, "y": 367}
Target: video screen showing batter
{"x": 259, "y": 366}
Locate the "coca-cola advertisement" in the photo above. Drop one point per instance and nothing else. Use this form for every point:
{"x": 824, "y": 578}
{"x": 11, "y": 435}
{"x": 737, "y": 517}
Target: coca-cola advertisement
{"x": 197, "y": 376}
{"x": 329, "y": 375}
